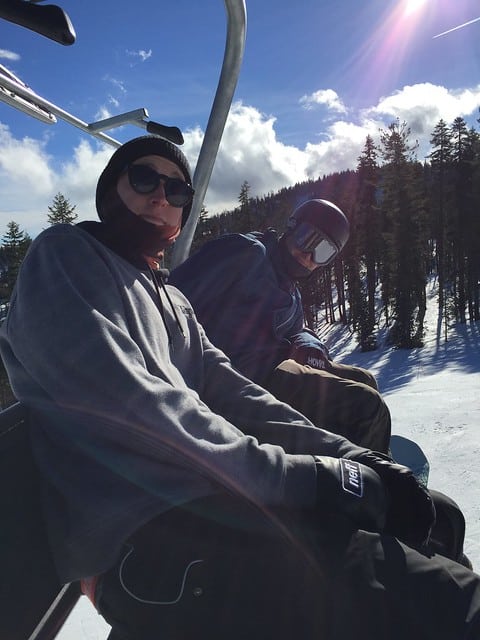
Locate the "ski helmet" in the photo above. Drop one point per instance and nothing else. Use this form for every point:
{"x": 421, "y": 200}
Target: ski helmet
{"x": 319, "y": 227}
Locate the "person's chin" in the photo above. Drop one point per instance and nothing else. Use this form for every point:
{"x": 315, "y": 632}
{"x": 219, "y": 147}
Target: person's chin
{"x": 306, "y": 262}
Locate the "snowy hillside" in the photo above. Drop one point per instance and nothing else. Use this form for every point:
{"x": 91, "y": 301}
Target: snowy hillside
{"x": 434, "y": 397}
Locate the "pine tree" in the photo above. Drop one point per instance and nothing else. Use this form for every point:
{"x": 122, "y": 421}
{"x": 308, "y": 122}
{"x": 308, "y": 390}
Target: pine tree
{"x": 15, "y": 243}
{"x": 464, "y": 232}
{"x": 204, "y": 230}
{"x": 475, "y": 235}
{"x": 244, "y": 200}
{"x": 441, "y": 205}
{"x": 404, "y": 235}
{"x": 363, "y": 248}
{"x": 61, "y": 211}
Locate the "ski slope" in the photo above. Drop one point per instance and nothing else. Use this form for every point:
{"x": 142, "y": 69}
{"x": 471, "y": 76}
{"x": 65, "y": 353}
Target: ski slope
{"x": 434, "y": 397}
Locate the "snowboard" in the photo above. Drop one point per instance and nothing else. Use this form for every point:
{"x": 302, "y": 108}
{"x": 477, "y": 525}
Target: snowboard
{"x": 407, "y": 452}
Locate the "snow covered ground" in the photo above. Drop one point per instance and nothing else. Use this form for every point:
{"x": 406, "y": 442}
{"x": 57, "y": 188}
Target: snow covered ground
{"x": 434, "y": 397}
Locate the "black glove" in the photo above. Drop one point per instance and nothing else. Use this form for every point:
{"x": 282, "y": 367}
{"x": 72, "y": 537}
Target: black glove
{"x": 316, "y": 358}
{"x": 353, "y": 489}
{"x": 411, "y": 513}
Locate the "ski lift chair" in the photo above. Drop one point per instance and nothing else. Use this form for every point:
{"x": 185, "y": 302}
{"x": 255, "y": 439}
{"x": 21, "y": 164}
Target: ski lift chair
{"x": 33, "y": 604}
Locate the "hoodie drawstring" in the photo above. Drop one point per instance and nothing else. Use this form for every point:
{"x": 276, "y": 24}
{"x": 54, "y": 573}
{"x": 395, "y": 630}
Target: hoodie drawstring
{"x": 156, "y": 278}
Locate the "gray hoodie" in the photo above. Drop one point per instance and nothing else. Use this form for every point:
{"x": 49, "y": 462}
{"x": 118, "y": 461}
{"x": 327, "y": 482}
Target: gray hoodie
{"x": 134, "y": 413}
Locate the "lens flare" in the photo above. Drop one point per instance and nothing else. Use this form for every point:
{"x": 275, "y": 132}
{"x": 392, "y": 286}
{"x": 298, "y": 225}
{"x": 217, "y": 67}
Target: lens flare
{"x": 412, "y": 6}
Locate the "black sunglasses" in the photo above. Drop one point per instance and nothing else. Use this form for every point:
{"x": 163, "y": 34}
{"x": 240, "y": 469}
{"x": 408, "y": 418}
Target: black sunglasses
{"x": 143, "y": 179}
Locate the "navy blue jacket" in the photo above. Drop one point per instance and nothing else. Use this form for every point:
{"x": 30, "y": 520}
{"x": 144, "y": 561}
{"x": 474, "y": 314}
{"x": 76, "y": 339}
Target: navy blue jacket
{"x": 249, "y": 307}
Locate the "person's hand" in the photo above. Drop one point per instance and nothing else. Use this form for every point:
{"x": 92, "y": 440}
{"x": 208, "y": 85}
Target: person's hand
{"x": 352, "y": 489}
{"x": 411, "y": 513}
{"x": 316, "y": 358}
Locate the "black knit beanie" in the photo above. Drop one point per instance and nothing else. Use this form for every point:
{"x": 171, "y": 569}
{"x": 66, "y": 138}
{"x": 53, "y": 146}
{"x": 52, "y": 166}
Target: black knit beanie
{"x": 132, "y": 150}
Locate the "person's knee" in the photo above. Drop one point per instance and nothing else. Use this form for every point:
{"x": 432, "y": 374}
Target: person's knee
{"x": 350, "y": 372}
{"x": 370, "y": 379}
{"x": 380, "y": 412}
{"x": 372, "y": 412}
{"x": 365, "y": 377}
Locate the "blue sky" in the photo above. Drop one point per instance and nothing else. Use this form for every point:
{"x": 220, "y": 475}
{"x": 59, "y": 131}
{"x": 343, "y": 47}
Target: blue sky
{"x": 317, "y": 76}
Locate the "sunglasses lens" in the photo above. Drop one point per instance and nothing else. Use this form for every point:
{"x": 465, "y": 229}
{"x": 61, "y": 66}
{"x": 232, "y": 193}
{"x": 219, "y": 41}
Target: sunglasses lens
{"x": 143, "y": 179}
{"x": 177, "y": 192}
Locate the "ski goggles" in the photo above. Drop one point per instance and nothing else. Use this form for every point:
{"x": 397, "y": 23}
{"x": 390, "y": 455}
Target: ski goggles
{"x": 310, "y": 240}
{"x": 143, "y": 179}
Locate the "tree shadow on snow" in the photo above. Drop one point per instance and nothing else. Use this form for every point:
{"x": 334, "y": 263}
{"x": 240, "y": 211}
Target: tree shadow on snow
{"x": 393, "y": 368}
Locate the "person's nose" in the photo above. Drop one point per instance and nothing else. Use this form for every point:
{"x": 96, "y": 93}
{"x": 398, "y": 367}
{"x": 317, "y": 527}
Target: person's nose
{"x": 159, "y": 194}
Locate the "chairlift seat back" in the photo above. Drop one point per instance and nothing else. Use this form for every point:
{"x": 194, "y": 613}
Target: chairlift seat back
{"x": 29, "y": 585}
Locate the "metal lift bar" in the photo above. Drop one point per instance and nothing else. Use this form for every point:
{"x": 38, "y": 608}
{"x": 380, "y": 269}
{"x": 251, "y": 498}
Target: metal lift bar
{"x": 235, "y": 44}
{"x": 30, "y": 107}
{"x": 139, "y": 117}
{"x": 28, "y": 94}
{"x": 15, "y": 93}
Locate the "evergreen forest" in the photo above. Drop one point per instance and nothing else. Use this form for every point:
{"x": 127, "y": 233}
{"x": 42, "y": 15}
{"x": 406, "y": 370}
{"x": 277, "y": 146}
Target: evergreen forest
{"x": 410, "y": 222}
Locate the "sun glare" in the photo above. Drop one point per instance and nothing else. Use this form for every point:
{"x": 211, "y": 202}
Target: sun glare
{"x": 412, "y": 6}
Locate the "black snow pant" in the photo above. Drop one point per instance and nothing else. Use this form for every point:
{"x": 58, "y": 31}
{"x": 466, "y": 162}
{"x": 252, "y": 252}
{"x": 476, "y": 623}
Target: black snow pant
{"x": 217, "y": 570}
{"x": 340, "y": 398}
{"x": 345, "y": 400}
{"x": 448, "y": 534}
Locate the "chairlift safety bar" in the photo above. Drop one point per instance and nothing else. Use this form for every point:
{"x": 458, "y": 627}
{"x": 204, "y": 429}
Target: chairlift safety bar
{"x": 31, "y": 96}
{"x": 232, "y": 61}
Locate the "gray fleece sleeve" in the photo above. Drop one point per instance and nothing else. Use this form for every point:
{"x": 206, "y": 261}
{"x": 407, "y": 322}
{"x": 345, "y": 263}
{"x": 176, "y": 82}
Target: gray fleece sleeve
{"x": 259, "y": 413}
{"x": 67, "y": 344}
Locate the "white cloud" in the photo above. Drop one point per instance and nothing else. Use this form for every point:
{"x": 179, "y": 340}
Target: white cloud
{"x": 29, "y": 181}
{"x": 250, "y": 150}
{"x": 114, "y": 101}
{"x": 422, "y": 105}
{"x": 25, "y": 179}
{"x": 77, "y": 179}
{"x": 324, "y": 97}
{"x": 141, "y": 53}
{"x": 343, "y": 144}
{"x": 103, "y": 113}
{"x": 9, "y": 55}
{"x": 118, "y": 84}
{"x": 145, "y": 55}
